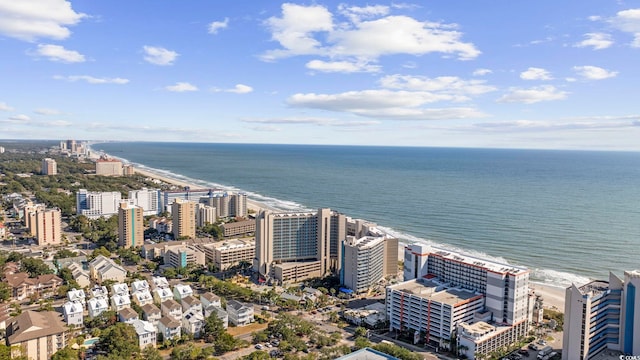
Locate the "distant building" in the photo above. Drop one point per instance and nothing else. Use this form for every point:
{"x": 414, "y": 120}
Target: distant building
{"x": 128, "y": 170}
{"x": 49, "y": 167}
{"x": 147, "y": 199}
{"x": 230, "y": 253}
{"x": 205, "y": 214}
{"x": 298, "y": 246}
{"x": 130, "y": 226}
{"x": 238, "y": 228}
{"x": 36, "y": 335}
{"x": 109, "y": 167}
{"x": 184, "y": 219}
{"x": 93, "y": 204}
{"x": 187, "y": 194}
{"x": 602, "y": 316}
{"x": 227, "y": 204}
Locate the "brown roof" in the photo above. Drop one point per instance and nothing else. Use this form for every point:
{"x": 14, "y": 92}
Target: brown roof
{"x": 32, "y": 325}
{"x": 22, "y": 278}
{"x": 128, "y": 313}
{"x": 211, "y": 297}
{"x": 150, "y": 309}
{"x": 190, "y": 300}
{"x": 169, "y": 322}
{"x": 171, "y": 304}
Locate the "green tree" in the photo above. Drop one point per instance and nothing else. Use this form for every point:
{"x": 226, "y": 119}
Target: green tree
{"x": 119, "y": 341}
{"x": 213, "y": 328}
{"x": 362, "y": 342}
{"x": 151, "y": 353}
{"x": 5, "y": 291}
{"x": 257, "y": 355}
{"x": 360, "y": 331}
{"x": 190, "y": 352}
{"x": 66, "y": 353}
{"x": 35, "y": 267}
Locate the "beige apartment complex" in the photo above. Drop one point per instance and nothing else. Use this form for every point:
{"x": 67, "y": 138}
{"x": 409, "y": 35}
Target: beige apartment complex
{"x": 184, "y": 219}
{"x": 230, "y": 253}
{"x": 130, "y": 225}
{"x": 44, "y": 224}
{"x": 49, "y": 167}
{"x": 36, "y": 335}
{"x": 109, "y": 167}
{"x": 367, "y": 260}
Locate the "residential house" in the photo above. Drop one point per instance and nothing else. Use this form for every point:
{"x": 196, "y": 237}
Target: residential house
{"x": 97, "y": 306}
{"x": 119, "y": 302}
{"x": 171, "y": 308}
{"x": 140, "y": 285}
{"x": 222, "y": 314}
{"x": 240, "y": 314}
{"x": 170, "y": 328}
{"x": 160, "y": 282}
{"x": 80, "y": 275}
{"x": 36, "y": 335}
{"x": 142, "y": 297}
{"x": 147, "y": 333}
{"x": 77, "y": 295}
{"x": 210, "y": 298}
{"x": 127, "y": 315}
{"x": 151, "y": 313}
{"x": 99, "y": 292}
{"x": 73, "y": 312}
{"x": 161, "y": 295}
{"x": 181, "y": 291}
{"x": 191, "y": 303}
{"x": 102, "y": 269}
{"x": 120, "y": 289}
{"x": 193, "y": 322}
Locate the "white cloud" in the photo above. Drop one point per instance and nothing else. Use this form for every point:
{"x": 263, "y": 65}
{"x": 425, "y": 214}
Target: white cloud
{"x": 628, "y": 21}
{"x": 59, "y": 53}
{"x": 181, "y": 87}
{"x": 30, "y": 20}
{"x": 534, "y": 73}
{"x": 533, "y": 95}
{"x": 444, "y": 84}
{"x": 310, "y": 30}
{"x": 597, "y": 41}
{"x": 5, "y": 107}
{"x": 217, "y": 25}
{"x": 91, "y": 79}
{"x": 159, "y": 55}
{"x": 45, "y": 111}
{"x": 482, "y": 72}
{"x": 357, "y": 13}
{"x": 238, "y": 89}
{"x": 19, "y": 118}
{"x": 341, "y": 66}
{"x": 594, "y": 72}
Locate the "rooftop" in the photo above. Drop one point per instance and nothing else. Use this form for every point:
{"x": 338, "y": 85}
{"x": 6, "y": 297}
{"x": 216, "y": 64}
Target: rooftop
{"x": 367, "y": 354}
{"x": 594, "y": 288}
{"x": 435, "y": 291}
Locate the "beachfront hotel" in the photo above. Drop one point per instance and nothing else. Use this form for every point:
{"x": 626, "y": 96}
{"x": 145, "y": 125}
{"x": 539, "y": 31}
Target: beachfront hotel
{"x": 108, "y": 167}
{"x": 94, "y": 204}
{"x": 602, "y": 316}
{"x": 436, "y": 274}
{"x": 130, "y": 225}
{"x": 147, "y": 199}
{"x": 366, "y": 260}
{"x": 291, "y": 247}
{"x": 183, "y": 213}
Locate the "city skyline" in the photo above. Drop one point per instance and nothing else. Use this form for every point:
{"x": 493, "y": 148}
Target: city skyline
{"x": 486, "y": 74}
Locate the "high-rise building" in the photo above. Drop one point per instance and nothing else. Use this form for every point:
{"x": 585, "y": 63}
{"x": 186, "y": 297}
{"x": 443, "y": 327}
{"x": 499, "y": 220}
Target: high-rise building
{"x": 187, "y": 194}
{"x": 49, "y": 167}
{"x": 296, "y": 246}
{"x": 602, "y": 316}
{"x": 109, "y": 167}
{"x": 130, "y": 225}
{"x": 205, "y": 214}
{"x": 362, "y": 262}
{"x": 184, "y": 219}
{"x": 94, "y": 204}
{"x": 45, "y": 225}
{"x": 147, "y": 199}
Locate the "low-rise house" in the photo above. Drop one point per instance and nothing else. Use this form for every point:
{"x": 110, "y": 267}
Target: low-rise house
{"x": 66, "y": 262}
{"x": 191, "y": 303}
{"x": 147, "y": 333}
{"x": 119, "y": 302}
{"x": 240, "y": 314}
{"x": 80, "y": 275}
{"x": 140, "y": 285}
{"x": 142, "y": 297}
{"x": 119, "y": 289}
{"x": 170, "y": 328}
{"x": 161, "y": 295}
{"x": 77, "y": 295}
{"x": 127, "y": 315}
{"x": 102, "y": 268}
{"x": 171, "y": 308}
{"x": 36, "y": 335}
{"x": 181, "y": 291}
{"x": 99, "y": 292}
{"x": 160, "y": 282}
{"x": 41, "y": 287}
{"x": 222, "y": 314}
{"x": 210, "y": 298}
{"x": 151, "y": 313}
{"x": 192, "y": 323}
{"x": 97, "y": 306}
{"x": 73, "y": 312}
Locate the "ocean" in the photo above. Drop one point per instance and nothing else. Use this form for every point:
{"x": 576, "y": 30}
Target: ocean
{"x": 569, "y": 216}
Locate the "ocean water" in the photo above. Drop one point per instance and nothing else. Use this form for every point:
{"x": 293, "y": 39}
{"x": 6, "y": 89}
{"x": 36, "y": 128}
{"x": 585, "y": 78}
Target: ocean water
{"x": 569, "y": 216}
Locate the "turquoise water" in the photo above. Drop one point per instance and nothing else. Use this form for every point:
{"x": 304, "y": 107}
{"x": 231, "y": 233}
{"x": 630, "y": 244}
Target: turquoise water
{"x": 567, "y": 215}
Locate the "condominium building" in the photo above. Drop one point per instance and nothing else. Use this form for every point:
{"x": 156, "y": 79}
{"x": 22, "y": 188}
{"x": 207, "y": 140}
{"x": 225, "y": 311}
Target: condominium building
{"x": 184, "y": 219}
{"x": 430, "y": 307}
{"x": 227, "y": 204}
{"x": 94, "y": 204}
{"x": 205, "y": 214}
{"x": 230, "y": 253}
{"x": 36, "y": 335}
{"x": 49, "y": 167}
{"x": 365, "y": 261}
{"x": 602, "y": 316}
{"x": 44, "y": 224}
{"x": 296, "y": 246}
{"x": 108, "y": 167}
{"x": 182, "y": 256}
{"x": 238, "y": 228}
{"x": 130, "y": 225}
{"x": 147, "y": 199}
{"x": 187, "y": 194}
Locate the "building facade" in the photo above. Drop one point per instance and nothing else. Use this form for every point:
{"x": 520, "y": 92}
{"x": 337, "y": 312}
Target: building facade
{"x": 147, "y": 199}
{"x": 45, "y": 225}
{"x": 130, "y": 225}
{"x": 230, "y": 253}
{"x": 365, "y": 261}
{"x": 94, "y": 204}
{"x": 36, "y": 335}
{"x": 49, "y": 167}
{"x": 109, "y": 167}
{"x": 184, "y": 219}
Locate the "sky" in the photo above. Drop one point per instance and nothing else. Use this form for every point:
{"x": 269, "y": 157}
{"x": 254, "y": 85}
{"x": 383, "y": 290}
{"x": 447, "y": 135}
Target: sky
{"x": 471, "y": 73}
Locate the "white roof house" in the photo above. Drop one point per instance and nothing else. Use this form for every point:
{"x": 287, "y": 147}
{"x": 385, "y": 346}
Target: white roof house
{"x": 73, "y": 312}
{"x": 97, "y": 306}
{"x": 77, "y": 295}
{"x": 192, "y": 322}
{"x": 160, "y": 282}
{"x": 120, "y": 289}
{"x": 147, "y": 333}
{"x": 162, "y": 295}
{"x": 139, "y": 285}
{"x": 142, "y": 297}
{"x": 181, "y": 291}
{"x": 119, "y": 302}
{"x": 99, "y": 292}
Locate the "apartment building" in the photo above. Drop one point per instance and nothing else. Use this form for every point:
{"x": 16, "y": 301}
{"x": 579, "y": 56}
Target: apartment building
{"x": 230, "y": 253}
{"x": 36, "y": 335}
{"x": 94, "y": 204}
{"x": 182, "y": 256}
{"x": 184, "y": 219}
{"x": 102, "y": 268}
{"x": 205, "y": 214}
{"x": 238, "y": 228}
{"x": 366, "y": 260}
{"x": 147, "y": 199}
{"x": 108, "y": 167}
{"x": 49, "y": 167}
{"x": 602, "y": 316}
{"x": 45, "y": 225}
{"x": 130, "y": 225}
{"x": 186, "y": 194}
{"x": 296, "y": 246}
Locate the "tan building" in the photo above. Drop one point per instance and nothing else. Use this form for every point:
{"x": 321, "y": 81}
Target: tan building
{"x": 109, "y": 167}
{"x": 206, "y": 214}
{"x": 23, "y": 287}
{"x": 230, "y": 253}
{"x": 36, "y": 335}
{"x": 184, "y": 219}
{"x": 367, "y": 260}
{"x": 182, "y": 256}
{"x": 45, "y": 226}
{"x": 49, "y": 167}
{"x": 130, "y": 225}
{"x": 238, "y": 228}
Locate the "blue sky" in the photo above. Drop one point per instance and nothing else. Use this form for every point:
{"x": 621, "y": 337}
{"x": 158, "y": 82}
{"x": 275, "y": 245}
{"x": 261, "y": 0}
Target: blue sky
{"x": 518, "y": 74}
